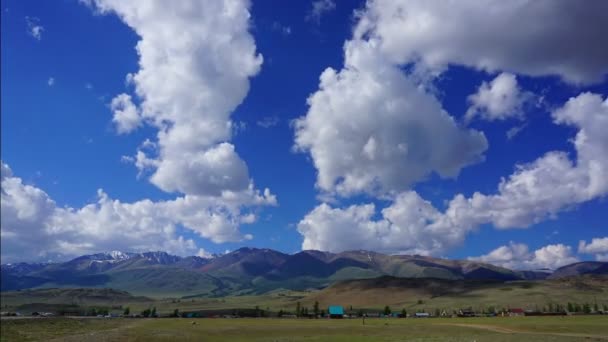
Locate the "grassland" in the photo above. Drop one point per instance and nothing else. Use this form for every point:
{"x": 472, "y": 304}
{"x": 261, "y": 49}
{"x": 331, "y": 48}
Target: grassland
{"x": 576, "y": 328}
{"x": 416, "y": 294}
{"x": 368, "y": 295}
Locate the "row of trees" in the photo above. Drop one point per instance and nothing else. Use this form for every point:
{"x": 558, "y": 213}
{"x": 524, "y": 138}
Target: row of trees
{"x": 315, "y": 311}
{"x": 301, "y": 311}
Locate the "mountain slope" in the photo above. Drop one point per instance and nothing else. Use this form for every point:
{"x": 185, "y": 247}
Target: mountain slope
{"x": 430, "y": 294}
{"x": 254, "y": 271}
{"x": 580, "y": 268}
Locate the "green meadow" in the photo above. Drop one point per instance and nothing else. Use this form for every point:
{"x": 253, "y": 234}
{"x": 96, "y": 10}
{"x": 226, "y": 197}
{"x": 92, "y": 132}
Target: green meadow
{"x": 568, "y": 328}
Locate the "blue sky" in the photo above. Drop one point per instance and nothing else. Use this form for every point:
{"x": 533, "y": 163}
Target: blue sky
{"x": 64, "y": 62}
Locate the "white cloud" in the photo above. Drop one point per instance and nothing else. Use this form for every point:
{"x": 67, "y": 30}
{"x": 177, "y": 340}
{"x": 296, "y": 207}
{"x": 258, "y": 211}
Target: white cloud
{"x": 597, "y": 246}
{"x": 33, "y": 227}
{"x": 126, "y": 115}
{"x": 518, "y": 256}
{"x": 195, "y": 61}
{"x": 513, "y": 131}
{"x": 568, "y": 42}
{"x": 409, "y": 225}
{"x": 212, "y": 171}
{"x": 498, "y": 100}
{"x": 268, "y": 121}
{"x": 371, "y": 128}
{"x": 51, "y": 81}
{"x": 533, "y": 193}
{"x": 553, "y": 182}
{"x": 319, "y": 9}
{"x": 34, "y": 28}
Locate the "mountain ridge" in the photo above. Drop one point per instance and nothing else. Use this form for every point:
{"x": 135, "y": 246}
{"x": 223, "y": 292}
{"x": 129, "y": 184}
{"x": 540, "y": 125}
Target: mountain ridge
{"x": 254, "y": 270}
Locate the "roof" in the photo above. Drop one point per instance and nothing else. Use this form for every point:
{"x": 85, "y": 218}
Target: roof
{"x": 516, "y": 310}
{"x": 336, "y": 310}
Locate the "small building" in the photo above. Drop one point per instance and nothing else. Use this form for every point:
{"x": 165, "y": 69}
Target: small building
{"x": 336, "y": 311}
{"x": 422, "y": 315}
{"x": 466, "y": 313}
{"x": 516, "y": 312}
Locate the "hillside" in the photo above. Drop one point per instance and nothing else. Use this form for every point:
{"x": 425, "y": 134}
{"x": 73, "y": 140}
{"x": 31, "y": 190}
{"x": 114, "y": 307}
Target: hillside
{"x": 253, "y": 271}
{"x": 55, "y": 299}
{"x": 418, "y": 294}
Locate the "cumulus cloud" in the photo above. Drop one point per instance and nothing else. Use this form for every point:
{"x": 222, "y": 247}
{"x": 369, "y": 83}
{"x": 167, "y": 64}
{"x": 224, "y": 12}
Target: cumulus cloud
{"x": 33, "y": 227}
{"x": 518, "y": 256}
{"x": 533, "y": 193}
{"x": 553, "y": 182}
{"x": 34, "y": 28}
{"x": 597, "y": 246}
{"x": 51, "y": 81}
{"x": 195, "y": 61}
{"x": 409, "y": 225}
{"x": 500, "y": 99}
{"x": 568, "y": 42}
{"x": 126, "y": 115}
{"x": 370, "y": 128}
{"x": 319, "y": 9}
{"x": 373, "y": 126}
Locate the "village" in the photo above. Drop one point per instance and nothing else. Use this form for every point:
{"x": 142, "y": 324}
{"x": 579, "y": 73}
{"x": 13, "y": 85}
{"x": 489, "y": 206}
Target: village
{"x": 332, "y": 312}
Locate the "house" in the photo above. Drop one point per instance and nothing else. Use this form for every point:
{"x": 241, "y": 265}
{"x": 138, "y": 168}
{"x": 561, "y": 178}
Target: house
{"x": 336, "y": 311}
{"x": 422, "y": 315}
{"x": 516, "y": 312}
{"x": 466, "y": 313}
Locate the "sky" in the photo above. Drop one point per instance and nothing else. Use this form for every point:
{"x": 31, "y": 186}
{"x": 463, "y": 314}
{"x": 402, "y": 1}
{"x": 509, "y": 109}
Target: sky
{"x": 469, "y": 130}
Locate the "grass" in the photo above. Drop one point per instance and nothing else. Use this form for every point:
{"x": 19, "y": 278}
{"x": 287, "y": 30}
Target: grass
{"x": 360, "y": 294}
{"x": 583, "y": 328}
{"x": 524, "y": 294}
{"x": 40, "y": 329}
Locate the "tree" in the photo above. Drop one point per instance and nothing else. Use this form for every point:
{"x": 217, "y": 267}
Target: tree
{"x": 595, "y": 308}
{"x": 315, "y": 309}
{"x": 298, "y": 309}
{"x": 280, "y": 314}
{"x": 153, "y": 312}
{"x": 570, "y": 307}
{"x": 404, "y": 313}
{"x": 176, "y": 313}
{"x": 127, "y": 311}
{"x": 586, "y": 308}
{"x": 146, "y": 313}
{"x": 387, "y": 310}
{"x": 437, "y": 313}
{"x": 92, "y": 312}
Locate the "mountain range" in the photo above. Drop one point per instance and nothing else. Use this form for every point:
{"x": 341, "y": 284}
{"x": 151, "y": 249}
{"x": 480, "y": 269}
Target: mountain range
{"x": 254, "y": 271}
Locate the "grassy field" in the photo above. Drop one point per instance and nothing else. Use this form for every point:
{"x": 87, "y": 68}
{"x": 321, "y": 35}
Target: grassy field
{"x": 413, "y": 295}
{"x": 578, "y": 328}
{"x": 428, "y": 295}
